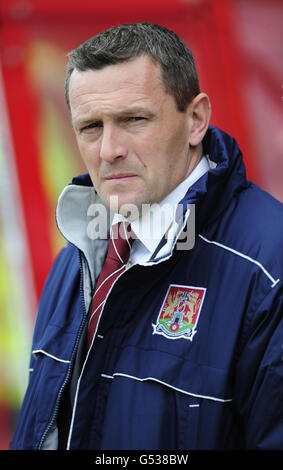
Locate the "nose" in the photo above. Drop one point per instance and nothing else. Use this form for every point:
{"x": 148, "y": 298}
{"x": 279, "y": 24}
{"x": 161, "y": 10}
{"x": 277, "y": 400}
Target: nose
{"x": 112, "y": 145}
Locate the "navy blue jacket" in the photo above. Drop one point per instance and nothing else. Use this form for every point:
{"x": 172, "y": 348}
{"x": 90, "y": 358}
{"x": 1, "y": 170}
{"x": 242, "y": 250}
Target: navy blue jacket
{"x": 210, "y": 377}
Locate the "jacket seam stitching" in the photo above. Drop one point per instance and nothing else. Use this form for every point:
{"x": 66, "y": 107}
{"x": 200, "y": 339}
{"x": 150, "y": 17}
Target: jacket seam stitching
{"x": 46, "y": 353}
{"x": 154, "y": 379}
{"x": 242, "y": 255}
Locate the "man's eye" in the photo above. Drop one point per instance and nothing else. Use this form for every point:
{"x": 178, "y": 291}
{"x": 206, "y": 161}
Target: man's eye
{"x": 134, "y": 119}
{"x": 93, "y": 125}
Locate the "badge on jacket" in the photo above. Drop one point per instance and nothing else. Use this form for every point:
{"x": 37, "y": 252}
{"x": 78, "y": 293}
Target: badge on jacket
{"x": 180, "y": 311}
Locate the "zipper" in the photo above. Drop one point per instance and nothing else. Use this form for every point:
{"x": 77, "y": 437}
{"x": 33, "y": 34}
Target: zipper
{"x": 68, "y": 375}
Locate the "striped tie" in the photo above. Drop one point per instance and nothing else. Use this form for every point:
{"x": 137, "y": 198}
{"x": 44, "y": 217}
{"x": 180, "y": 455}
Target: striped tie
{"x": 115, "y": 264}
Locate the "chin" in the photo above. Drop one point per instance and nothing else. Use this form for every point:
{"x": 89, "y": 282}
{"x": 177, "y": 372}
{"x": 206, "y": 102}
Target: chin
{"x": 129, "y": 205}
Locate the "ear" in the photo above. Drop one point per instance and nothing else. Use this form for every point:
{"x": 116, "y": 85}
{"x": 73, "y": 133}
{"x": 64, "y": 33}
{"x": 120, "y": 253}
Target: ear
{"x": 199, "y": 117}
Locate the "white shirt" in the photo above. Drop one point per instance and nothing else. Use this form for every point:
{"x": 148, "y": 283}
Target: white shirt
{"x": 156, "y": 220}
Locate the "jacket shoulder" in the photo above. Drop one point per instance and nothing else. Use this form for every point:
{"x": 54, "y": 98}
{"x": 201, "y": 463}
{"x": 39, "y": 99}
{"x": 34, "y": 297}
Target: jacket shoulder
{"x": 62, "y": 281}
{"x": 65, "y": 267}
{"x": 252, "y": 227}
{"x": 261, "y": 217}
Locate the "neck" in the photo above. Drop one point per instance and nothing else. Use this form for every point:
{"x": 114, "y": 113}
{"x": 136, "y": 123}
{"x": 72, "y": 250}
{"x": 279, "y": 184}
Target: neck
{"x": 195, "y": 157}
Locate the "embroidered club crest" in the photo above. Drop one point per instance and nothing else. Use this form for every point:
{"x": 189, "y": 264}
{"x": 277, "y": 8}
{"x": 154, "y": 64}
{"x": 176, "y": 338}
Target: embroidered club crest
{"x": 180, "y": 312}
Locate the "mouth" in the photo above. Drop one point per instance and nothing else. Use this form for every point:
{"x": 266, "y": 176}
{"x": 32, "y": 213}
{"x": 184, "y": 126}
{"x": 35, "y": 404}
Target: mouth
{"x": 120, "y": 176}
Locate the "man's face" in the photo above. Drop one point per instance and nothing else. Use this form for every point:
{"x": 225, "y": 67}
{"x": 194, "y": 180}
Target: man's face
{"x": 133, "y": 140}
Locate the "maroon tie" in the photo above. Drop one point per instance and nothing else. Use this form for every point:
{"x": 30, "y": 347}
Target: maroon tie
{"x": 117, "y": 257}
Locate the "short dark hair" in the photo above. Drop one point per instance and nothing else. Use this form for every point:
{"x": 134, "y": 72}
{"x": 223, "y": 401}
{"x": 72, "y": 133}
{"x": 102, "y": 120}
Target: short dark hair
{"x": 128, "y": 41}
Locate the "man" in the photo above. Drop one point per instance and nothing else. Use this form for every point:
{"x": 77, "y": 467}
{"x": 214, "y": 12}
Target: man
{"x": 180, "y": 345}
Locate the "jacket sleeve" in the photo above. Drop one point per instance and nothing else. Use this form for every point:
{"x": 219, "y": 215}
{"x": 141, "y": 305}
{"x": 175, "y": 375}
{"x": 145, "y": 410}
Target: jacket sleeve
{"x": 259, "y": 375}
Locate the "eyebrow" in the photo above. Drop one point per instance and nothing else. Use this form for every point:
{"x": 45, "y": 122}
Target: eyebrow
{"x": 134, "y": 111}
{"x": 141, "y": 111}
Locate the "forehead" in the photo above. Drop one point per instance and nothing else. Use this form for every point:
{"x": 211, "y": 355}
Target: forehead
{"x": 121, "y": 85}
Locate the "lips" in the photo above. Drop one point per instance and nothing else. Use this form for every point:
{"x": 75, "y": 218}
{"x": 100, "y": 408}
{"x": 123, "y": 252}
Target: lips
{"x": 119, "y": 176}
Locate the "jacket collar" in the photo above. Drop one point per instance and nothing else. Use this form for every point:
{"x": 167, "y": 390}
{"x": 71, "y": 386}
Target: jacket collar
{"x": 222, "y": 182}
